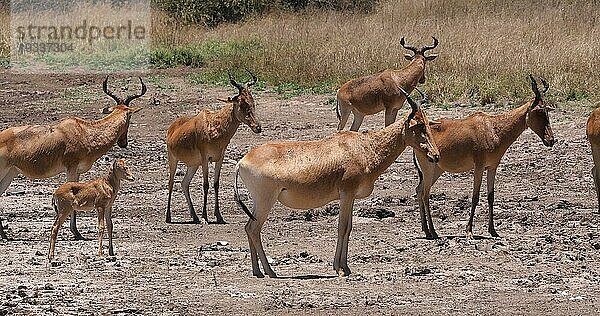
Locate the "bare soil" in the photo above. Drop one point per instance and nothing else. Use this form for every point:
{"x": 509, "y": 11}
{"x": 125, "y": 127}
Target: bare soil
{"x": 546, "y": 262}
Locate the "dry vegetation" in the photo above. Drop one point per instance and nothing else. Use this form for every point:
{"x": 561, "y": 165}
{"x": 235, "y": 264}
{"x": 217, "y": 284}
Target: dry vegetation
{"x": 486, "y": 47}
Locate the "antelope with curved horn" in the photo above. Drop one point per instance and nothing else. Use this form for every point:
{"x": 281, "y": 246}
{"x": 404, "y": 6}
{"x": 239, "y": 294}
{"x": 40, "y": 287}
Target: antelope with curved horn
{"x": 201, "y": 139}
{"x": 71, "y": 145}
{"x": 478, "y": 143}
{"x": 309, "y": 174}
{"x": 371, "y": 94}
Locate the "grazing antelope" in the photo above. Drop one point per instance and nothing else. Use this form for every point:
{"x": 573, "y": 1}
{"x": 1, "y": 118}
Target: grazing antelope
{"x": 309, "y": 174}
{"x": 71, "y": 146}
{"x": 478, "y": 143}
{"x": 371, "y": 94}
{"x": 99, "y": 195}
{"x": 593, "y": 135}
{"x": 201, "y": 139}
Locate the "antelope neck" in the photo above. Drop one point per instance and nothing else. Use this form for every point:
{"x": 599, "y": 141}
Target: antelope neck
{"x": 387, "y": 144}
{"x": 230, "y": 123}
{"x": 113, "y": 181}
{"x": 105, "y": 132}
{"x": 510, "y": 125}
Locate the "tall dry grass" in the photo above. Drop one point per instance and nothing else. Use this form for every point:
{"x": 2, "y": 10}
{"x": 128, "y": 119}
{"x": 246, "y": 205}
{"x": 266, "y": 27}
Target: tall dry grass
{"x": 486, "y": 47}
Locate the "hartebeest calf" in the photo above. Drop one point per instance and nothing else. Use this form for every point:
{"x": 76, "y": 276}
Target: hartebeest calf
{"x": 309, "y": 174}
{"x": 99, "y": 195}
{"x": 593, "y": 135}
{"x": 371, "y": 94}
{"x": 71, "y": 146}
{"x": 478, "y": 143}
{"x": 201, "y": 139}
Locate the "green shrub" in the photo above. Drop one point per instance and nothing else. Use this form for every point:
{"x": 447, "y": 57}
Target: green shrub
{"x": 213, "y": 12}
{"x": 198, "y": 55}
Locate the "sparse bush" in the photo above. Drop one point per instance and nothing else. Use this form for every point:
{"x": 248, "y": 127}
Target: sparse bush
{"x": 213, "y": 12}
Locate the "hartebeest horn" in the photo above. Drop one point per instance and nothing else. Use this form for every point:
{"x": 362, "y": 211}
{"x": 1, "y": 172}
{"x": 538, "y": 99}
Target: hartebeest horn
{"x": 233, "y": 82}
{"x": 411, "y": 48}
{"x": 546, "y": 86}
{"x": 534, "y": 87}
{"x": 135, "y": 96}
{"x": 423, "y": 96}
{"x": 426, "y": 48}
{"x": 109, "y": 93}
{"x": 254, "y": 79}
{"x": 413, "y": 105}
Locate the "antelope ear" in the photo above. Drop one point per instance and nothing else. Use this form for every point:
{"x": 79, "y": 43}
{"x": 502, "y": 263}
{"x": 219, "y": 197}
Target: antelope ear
{"x": 431, "y": 57}
{"x": 408, "y": 57}
{"x": 107, "y": 110}
{"x": 434, "y": 123}
{"x": 224, "y": 100}
{"x": 136, "y": 109}
{"x": 412, "y": 123}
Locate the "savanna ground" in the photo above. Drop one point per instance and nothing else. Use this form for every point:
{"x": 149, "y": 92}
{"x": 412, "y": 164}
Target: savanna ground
{"x": 547, "y": 261}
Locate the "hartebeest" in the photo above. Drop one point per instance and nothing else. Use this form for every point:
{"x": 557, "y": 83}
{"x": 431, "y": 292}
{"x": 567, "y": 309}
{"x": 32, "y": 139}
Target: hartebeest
{"x": 98, "y": 194}
{"x": 309, "y": 174}
{"x": 371, "y": 94}
{"x": 71, "y": 146}
{"x": 478, "y": 143}
{"x": 593, "y": 135}
{"x": 201, "y": 139}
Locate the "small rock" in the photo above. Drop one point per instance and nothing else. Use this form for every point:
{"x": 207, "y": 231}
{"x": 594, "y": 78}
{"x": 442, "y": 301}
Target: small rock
{"x": 49, "y": 286}
{"x": 222, "y": 243}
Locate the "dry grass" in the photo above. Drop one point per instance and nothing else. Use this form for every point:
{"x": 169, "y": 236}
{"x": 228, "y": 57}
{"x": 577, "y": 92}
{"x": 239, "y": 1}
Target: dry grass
{"x": 486, "y": 47}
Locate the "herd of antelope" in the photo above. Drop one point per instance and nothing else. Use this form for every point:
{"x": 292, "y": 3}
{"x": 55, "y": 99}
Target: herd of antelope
{"x": 298, "y": 174}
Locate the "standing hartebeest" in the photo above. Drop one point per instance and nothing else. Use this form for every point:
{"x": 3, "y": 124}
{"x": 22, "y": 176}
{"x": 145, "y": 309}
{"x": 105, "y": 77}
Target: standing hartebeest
{"x": 309, "y": 174}
{"x": 201, "y": 139}
{"x": 478, "y": 143}
{"x": 71, "y": 146}
{"x": 593, "y": 135}
{"x": 98, "y": 194}
{"x": 371, "y": 94}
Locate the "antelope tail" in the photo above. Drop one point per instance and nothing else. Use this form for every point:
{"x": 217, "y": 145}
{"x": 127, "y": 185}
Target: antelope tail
{"x": 54, "y": 205}
{"x": 236, "y": 194}
{"x": 418, "y": 168}
{"x": 337, "y": 108}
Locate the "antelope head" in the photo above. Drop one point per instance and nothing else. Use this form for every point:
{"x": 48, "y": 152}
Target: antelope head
{"x": 417, "y": 131}
{"x": 122, "y": 171}
{"x": 420, "y": 54}
{"x": 537, "y": 114}
{"x": 122, "y": 107}
{"x": 243, "y": 103}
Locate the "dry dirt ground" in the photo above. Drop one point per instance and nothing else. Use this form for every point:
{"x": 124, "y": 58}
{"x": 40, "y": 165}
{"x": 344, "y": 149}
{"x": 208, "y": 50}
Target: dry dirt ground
{"x": 546, "y": 262}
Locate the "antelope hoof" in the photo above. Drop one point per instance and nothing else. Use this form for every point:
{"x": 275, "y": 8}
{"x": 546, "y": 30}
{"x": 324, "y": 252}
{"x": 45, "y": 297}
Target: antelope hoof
{"x": 470, "y": 235}
{"x": 221, "y": 221}
{"x": 111, "y": 253}
{"x": 196, "y": 220}
{"x": 494, "y": 233}
{"x": 80, "y": 237}
{"x": 258, "y": 274}
{"x": 431, "y": 236}
{"x": 343, "y": 272}
{"x": 168, "y": 220}
{"x": 271, "y": 274}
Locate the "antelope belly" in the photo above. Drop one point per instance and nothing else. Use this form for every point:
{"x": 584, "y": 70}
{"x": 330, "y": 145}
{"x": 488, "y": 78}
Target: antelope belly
{"x": 305, "y": 198}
